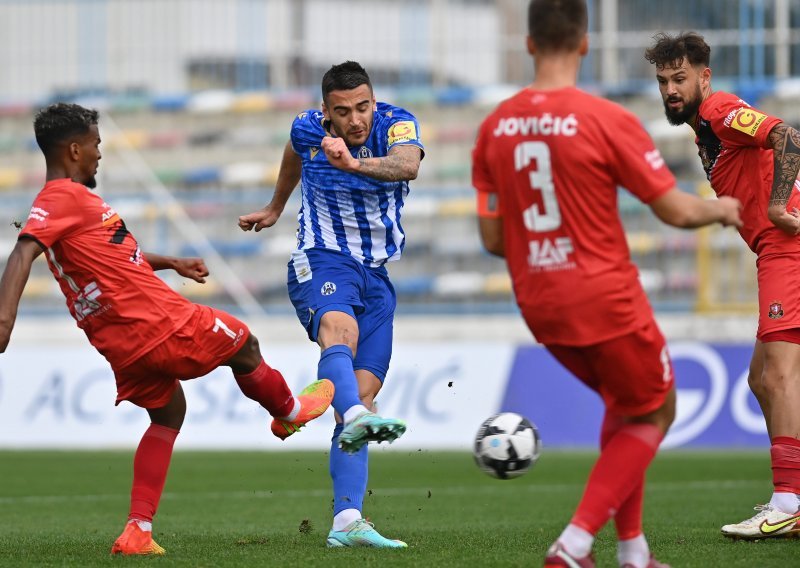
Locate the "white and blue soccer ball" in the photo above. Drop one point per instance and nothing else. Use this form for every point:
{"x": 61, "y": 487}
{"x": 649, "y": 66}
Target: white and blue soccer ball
{"x": 507, "y": 445}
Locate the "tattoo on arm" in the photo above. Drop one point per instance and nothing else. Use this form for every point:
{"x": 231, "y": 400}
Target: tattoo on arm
{"x": 785, "y": 142}
{"x": 401, "y": 164}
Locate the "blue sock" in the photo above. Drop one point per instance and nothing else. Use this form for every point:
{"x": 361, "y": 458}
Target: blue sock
{"x": 336, "y": 364}
{"x": 349, "y": 474}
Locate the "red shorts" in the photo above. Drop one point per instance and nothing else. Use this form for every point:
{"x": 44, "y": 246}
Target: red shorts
{"x": 778, "y": 293}
{"x": 205, "y": 342}
{"x": 632, "y": 373}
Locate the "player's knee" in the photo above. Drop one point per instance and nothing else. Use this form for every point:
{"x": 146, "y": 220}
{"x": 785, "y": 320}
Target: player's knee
{"x": 775, "y": 381}
{"x": 756, "y": 383}
{"x": 338, "y": 329}
{"x": 247, "y": 358}
{"x": 668, "y": 411}
{"x": 663, "y": 416}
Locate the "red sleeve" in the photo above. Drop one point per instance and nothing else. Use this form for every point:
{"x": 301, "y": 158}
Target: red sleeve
{"x": 637, "y": 163}
{"x": 54, "y": 214}
{"x": 737, "y": 124}
{"x": 488, "y": 196}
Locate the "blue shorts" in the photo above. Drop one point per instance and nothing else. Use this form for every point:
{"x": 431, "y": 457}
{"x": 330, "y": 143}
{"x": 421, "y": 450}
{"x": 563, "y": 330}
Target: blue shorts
{"x": 322, "y": 281}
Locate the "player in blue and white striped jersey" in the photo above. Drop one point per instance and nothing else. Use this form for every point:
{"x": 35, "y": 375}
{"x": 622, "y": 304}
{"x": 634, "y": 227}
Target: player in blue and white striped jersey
{"x": 354, "y": 158}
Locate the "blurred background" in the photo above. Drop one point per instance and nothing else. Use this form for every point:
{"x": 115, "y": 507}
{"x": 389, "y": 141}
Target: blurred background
{"x": 198, "y": 97}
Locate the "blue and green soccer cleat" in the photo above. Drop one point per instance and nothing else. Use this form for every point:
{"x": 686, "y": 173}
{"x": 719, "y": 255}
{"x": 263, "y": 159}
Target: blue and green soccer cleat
{"x": 361, "y": 533}
{"x": 369, "y": 427}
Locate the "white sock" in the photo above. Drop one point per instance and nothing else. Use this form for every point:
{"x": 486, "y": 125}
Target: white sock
{"x": 351, "y": 413}
{"x": 344, "y": 518}
{"x": 788, "y": 503}
{"x": 577, "y": 541}
{"x": 295, "y": 411}
{"x": 634, "y": 551}
{"x": 146, "y": 526}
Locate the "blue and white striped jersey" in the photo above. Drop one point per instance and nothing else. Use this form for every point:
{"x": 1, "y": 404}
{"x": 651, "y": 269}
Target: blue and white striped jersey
{"x": 347, "y": 212}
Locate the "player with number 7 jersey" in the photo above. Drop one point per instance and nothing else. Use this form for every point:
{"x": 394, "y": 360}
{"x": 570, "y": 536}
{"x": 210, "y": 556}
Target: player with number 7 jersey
{"x": 153, "y": 337}
{"x": 546, "y": 166}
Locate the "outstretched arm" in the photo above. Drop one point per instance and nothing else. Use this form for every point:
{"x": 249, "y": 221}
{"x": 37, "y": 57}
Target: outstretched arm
{"x": 687, "y": 211}
{"x": 193, "y": 268}
{"x": 400, "y": 164}
{"x": 785, "y": 142}
{"x": 288, "y": 178}
{"x": 15, "y": 276}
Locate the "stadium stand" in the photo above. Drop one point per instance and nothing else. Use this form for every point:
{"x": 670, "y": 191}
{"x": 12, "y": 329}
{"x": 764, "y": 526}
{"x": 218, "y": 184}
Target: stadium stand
{"x": 218, "y": 154}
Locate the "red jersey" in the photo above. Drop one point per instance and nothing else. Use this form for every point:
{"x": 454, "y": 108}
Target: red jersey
{"x": 111, "y": 290}
{"x": 553, "y": 160}
{"x": 733, "y": 146}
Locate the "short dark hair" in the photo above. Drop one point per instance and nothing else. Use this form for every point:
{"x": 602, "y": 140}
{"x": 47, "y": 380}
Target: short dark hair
{"x": 557, "y": 25}
{"x": 343, "y": 77}
{"x": 61, "y": 121}
{"x": 672, "y": 50}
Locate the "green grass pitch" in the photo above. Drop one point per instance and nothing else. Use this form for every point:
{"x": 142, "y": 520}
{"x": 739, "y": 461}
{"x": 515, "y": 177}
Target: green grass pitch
{"x": 273, "y": 509}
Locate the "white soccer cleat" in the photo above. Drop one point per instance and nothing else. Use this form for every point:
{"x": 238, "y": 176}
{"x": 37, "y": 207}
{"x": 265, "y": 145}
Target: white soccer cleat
{"x": 766, "y": 523}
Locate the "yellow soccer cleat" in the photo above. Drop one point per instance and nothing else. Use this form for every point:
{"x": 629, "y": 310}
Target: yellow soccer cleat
{"x": 134, "y": 540}
{"x": 314, "y": 401}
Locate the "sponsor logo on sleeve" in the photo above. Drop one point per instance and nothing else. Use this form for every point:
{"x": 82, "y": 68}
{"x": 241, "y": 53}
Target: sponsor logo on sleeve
{"x": 748, "y": 121}
{"x": 653, "y": 157}
{"x": 38, "y": 214}
{"x": 109, "y": 217}
{"x": 404, "y": 131}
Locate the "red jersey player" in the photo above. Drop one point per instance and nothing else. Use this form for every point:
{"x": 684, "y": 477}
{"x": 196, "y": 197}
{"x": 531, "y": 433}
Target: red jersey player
{"x": 546, "y": 166}
{"x": 151, "y": 336}
{"x": 755, "y": 157}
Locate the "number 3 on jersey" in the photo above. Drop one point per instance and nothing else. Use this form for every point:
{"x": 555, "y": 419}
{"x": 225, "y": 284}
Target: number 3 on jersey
{"x": 545, "y": 253}
{"x": 541, "y": 179}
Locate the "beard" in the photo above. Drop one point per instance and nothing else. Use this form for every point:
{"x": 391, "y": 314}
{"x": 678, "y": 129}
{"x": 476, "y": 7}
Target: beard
{"x": 690, "y": 108}
{"x": 91, "y": 182}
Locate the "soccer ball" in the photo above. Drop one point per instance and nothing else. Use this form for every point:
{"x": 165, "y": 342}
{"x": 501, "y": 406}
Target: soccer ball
{"x": 507, "y": 445}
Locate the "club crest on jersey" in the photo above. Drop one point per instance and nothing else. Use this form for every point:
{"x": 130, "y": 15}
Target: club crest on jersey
{"x": 328, "y": 288}
{"x": 137, "y": 257}
{"x": 313, "y": 152}
{"x": 364, "y": 152}
{"x": 775, "y": 310}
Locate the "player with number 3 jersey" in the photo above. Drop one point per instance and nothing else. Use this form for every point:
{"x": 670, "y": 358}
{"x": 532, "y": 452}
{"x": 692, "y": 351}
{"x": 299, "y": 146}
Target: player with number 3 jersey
{"x": 546, "y": 166}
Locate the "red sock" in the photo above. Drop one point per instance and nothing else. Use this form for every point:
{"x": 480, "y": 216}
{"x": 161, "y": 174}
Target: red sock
{"x": 628, "y": 519}
{"x": 268, "y": 388}
{"x": 150, "y": 465}
{"x": 618, "y": 470}
{"x": 785, "y": 454}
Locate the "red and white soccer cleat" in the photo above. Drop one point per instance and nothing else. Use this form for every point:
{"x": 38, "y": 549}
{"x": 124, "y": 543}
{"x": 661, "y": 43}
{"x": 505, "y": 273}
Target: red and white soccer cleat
{"x": 558, "y": 557}
{"x": 652, "y": 564}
